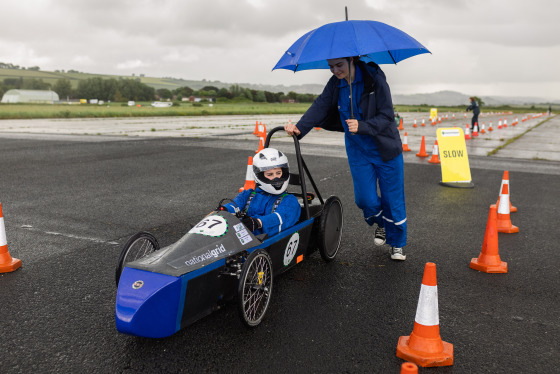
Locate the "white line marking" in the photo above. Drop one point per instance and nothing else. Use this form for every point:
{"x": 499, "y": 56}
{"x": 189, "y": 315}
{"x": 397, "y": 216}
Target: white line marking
{"x": 95, "y": 240}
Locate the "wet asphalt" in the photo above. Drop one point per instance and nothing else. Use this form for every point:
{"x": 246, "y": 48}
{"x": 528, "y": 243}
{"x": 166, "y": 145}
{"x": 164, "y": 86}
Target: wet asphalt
{"x": 70, "y": 203}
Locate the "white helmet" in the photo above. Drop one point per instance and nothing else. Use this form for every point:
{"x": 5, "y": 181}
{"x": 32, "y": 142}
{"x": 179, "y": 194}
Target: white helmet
{"x": 270, "y": 158}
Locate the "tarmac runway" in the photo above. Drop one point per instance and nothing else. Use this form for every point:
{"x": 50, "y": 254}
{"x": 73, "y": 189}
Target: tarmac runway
{"x": 71, "y": 200}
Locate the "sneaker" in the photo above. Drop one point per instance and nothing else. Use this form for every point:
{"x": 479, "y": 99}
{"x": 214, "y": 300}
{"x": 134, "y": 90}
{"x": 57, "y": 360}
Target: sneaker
{"x": 379, "y": 236}
{"x": 397, "y": 254}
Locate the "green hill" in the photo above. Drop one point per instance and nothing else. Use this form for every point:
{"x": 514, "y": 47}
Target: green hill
{"x": 157, "y": 83}
{"x": 75, "y": 77}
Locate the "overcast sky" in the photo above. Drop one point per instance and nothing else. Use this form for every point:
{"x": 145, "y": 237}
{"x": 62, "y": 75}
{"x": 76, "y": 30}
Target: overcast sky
{"x": 479, "y": 47}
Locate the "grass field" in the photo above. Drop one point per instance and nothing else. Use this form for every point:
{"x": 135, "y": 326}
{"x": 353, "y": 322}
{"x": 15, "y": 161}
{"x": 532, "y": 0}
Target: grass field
{"x": 28, "y": 111}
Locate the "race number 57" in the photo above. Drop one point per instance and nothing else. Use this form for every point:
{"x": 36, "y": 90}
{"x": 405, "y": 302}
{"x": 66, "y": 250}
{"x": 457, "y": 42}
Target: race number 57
{"x": 291, "y": 249}
{"x": 211, "y": 226}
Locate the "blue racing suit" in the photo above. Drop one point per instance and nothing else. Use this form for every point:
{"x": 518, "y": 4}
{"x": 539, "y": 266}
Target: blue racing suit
{"x": 262, "y": 205}
{"x": 374, "y": 153}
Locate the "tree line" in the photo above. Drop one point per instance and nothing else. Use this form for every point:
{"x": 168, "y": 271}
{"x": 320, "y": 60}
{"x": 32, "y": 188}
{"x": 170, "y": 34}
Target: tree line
{"x": 233, "y": 93}
{"x": 4, "y": 65}
{"x": 122, "y": 90}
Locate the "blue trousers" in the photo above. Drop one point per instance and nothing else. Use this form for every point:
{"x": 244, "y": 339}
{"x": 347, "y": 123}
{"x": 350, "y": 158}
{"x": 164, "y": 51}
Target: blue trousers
{"x": 387, "y": 210}
{"x": 473, "y": 121}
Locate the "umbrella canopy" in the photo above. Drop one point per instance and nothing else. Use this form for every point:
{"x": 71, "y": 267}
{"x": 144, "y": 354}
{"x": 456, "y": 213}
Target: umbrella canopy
{"x": 371, "y": 40}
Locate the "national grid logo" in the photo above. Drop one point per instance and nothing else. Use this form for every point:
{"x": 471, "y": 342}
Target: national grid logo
{"x": 211, "y": 253}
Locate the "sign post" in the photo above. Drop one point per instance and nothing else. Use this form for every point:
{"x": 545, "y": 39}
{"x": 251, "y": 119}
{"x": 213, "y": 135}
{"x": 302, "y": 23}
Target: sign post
{"x": 455, "y": 169}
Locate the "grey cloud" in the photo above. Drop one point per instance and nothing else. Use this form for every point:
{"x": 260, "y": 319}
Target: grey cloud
{"x": 473, "y": 42}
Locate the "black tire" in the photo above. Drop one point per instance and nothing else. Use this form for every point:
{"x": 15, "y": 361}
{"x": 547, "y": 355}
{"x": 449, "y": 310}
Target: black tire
{"x": 255, "y": 288}
{"x": 330, "y": 228}
{"x": 139, "y": 245}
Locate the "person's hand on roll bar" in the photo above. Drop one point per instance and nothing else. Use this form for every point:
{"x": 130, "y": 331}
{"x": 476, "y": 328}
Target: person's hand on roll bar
{"x": 291, "y": 129}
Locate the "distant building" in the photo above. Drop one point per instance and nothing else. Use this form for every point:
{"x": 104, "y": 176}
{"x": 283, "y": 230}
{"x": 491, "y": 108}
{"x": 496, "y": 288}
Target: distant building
{"x": 30, "y": 96}
{"x": 197, "y": 99}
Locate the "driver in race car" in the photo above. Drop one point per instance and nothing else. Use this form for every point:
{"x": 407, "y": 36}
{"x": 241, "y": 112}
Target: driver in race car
{"x": 268, "y": 208}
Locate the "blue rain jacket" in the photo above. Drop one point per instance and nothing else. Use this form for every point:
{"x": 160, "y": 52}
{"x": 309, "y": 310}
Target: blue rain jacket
{"x": 474, "y": 107}
{"x": 375, "y": 104}
{"x": 286, "y": 214}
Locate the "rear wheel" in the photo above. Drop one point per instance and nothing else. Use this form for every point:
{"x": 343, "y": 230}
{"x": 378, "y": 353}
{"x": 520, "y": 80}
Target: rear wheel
{"x": 139, "y": 245}
{"x": 330, "y": 228}
{"x": 255, "y": 288}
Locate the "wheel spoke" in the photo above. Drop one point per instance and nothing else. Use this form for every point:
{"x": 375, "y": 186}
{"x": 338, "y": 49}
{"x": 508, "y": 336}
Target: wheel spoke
{"x": 256, "y": 290}
{"x": 139, "y": 249}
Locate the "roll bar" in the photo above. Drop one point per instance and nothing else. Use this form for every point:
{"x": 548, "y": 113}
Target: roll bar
{"x": 301, "y": 168}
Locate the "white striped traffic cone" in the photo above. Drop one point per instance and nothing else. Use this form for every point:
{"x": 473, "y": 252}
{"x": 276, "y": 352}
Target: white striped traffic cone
{"x": 405, "y": 146}
{"x": 505, "y": 179}
{"x": 504, "y": 220}
{"x": 7, "y": 262}
{"x": 435, "y": 154}
{"x": 249, "y": 177}
{"x": 424, "y": 346}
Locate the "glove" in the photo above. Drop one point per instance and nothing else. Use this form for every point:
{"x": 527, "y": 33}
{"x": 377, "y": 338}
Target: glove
{"x": 251, "y": 223}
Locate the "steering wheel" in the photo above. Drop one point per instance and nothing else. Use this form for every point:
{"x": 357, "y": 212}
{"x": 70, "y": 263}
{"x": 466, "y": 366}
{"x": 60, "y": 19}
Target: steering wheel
{"x": 238, "y": 212}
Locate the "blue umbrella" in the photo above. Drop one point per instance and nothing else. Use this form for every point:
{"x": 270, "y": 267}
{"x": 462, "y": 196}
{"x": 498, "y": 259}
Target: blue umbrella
{"x": 371, "y": 40}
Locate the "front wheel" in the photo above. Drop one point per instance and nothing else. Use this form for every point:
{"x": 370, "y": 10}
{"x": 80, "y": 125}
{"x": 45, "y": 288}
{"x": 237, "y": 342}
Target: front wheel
{"x": 139, "y": 245}
{"x": 330, "y": 228}
{"x": 255, "y": 288}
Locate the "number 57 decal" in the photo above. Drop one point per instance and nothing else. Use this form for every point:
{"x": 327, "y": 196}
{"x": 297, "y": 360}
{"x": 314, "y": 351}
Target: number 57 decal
{"x": 211, "y": 226}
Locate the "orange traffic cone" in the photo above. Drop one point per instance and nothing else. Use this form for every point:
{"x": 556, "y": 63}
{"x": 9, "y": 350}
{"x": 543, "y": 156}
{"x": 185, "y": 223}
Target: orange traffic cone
{"x": 261, "y": 145}
{"x": 262, "y": 138}
{"x": 409, "y": 368}
{"x": 483, "y": 131}
{"x": 505, "y": 179}
{"x": 423, "y": 123}
{"x": 489, "y": 260}
{"x": 505, "y": 122}
{"x": 422, "y": 152}
{"x": 435, "y": 153}
{"x": 504, "y": 220}
{"x": 405, "y": 147}
{"x": 490, "y": 127}
{"x": 467, "y": 132}
{"x": 256, "y": 132}
{"x": 424, "y": 346}
{"x": 249, "y": 177}
{"x": 475, "y": 130}
{"x": 500, "y": 124}
{"x": 415, "y": 125}
{"x": 401, "y": 125}
{"x": 7, "y": 262}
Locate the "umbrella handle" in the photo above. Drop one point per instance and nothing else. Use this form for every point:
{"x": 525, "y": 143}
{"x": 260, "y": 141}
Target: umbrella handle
{"x": 350, "y": 83}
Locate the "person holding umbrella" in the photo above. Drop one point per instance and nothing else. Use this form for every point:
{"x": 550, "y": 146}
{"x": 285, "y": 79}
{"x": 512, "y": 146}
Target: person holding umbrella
{"x": 373, "y": 144}
{"x": 353, "y": 50}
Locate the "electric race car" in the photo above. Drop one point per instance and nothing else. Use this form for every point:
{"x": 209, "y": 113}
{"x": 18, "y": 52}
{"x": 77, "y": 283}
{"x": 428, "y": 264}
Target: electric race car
{"x": 163, "y": 290}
